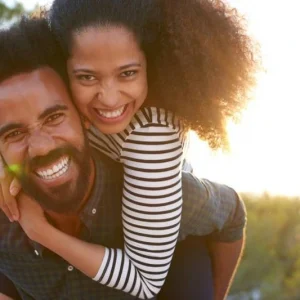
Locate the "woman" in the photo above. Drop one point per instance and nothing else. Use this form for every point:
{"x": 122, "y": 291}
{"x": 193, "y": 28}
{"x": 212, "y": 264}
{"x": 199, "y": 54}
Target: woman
{"x": 142, "y": 75}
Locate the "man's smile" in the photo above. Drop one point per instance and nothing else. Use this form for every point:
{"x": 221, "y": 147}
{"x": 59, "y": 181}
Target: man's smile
{"x": 55, "y": 170}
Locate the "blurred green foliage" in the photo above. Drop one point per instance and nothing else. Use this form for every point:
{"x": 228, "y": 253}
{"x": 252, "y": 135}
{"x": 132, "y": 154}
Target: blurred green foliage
{"x": 8, "y": 13}
{"x": 271, "y": 261}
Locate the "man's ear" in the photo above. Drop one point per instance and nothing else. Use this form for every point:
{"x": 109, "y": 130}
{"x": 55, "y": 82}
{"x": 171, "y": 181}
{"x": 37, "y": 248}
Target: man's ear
{"x": 86, "y": 122}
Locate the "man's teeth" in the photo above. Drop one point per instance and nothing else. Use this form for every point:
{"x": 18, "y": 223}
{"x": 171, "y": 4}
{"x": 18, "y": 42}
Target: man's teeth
{"x": 112, "y": 114}
{"x": 56, "y": 171}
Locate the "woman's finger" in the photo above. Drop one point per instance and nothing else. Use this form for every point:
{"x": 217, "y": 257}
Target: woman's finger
{"x": 15, "y": 187}
{"x": 9, "y": 202}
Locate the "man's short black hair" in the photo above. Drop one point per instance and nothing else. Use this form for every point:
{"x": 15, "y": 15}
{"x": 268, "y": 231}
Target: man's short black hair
{"x": 28, "y": 45}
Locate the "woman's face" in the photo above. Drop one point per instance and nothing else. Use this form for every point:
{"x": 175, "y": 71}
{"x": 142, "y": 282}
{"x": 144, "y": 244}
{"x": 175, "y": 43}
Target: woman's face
{"x": 108, "y": 76}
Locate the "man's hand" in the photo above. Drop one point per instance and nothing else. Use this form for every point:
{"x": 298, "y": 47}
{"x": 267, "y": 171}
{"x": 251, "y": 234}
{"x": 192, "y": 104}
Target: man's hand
{"x": 32, "y": 218}
{"x": 225, "y": 259}
{"x": 9, "y": 189}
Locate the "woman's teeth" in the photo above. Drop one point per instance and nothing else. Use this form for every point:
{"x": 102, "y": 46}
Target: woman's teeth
{"x": 111, "y": 114}
{"x": 56, "y": 170}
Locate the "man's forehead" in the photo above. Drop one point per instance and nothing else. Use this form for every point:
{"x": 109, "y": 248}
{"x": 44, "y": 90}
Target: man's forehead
{"x": 14, "y": 85}
{"x": 43, "y": 76}
{"x": 39, "y": 86}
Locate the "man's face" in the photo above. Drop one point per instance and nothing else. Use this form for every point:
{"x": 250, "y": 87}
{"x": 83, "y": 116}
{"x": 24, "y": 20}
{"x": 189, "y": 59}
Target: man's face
{"x": 42, "y": 139}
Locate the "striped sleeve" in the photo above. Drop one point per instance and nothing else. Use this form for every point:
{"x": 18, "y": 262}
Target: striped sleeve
{"x": 151, "y": 151}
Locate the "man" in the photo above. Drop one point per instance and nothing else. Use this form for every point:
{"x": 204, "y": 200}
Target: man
{"x": 40, "y": 127}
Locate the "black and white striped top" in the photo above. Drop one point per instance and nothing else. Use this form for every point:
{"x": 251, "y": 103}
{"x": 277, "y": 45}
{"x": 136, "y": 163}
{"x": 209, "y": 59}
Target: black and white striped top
{"x": 151, "y": 150}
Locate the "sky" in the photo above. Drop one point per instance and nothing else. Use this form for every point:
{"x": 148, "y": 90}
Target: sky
{"x": 265, "y": 145}
{"x": 28, "y": 4}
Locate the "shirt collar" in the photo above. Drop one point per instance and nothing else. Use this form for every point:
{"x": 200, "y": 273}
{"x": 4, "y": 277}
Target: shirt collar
{"x": 95, "y": 202}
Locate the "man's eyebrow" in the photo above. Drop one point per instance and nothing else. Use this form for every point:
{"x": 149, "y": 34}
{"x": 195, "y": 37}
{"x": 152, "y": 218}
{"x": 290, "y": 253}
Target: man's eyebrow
{"x": 51, "y": 110}
{"x": 10, "y": 126}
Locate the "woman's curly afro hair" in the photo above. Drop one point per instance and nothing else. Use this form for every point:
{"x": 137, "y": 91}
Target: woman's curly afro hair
{"x": 201, "y": 62}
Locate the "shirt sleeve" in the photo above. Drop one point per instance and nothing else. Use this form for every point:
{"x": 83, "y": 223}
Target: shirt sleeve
{"x": 211, "y": 208}
{"x": 151, "y": 208}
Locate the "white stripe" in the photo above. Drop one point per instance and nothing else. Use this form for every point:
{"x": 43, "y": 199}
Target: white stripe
{"x": 101, "y": 269}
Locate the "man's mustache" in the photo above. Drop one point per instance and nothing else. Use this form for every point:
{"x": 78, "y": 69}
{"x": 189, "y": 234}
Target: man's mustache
{"x": 52, "y": 156}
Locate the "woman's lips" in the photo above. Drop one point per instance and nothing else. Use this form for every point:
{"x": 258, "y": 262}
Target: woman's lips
{"x": 112, "y": 116}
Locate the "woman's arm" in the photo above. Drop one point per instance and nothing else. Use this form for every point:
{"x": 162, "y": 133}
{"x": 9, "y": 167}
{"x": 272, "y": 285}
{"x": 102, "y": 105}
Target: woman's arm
{"x": 151, "y": 152}
{"x": 84, "y": 256}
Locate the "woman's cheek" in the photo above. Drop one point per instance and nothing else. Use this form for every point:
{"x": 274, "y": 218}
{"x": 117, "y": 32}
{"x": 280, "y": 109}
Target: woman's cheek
{"x": 81, "y": 102}
{"x": 80, "y": 96}
{"x": 83, "y": 107}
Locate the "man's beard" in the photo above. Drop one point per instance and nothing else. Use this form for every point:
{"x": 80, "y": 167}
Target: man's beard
{"x": 65, "y": 198}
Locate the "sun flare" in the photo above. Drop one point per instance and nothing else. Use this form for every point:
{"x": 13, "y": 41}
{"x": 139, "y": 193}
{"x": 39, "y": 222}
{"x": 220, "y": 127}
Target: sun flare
{"x": 265, "y": 147}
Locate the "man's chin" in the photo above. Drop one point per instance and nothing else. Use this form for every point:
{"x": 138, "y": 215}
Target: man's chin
{"x": 63, "y": 198}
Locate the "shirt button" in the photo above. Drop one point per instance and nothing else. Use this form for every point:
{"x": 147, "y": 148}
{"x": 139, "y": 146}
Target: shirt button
{"x": 70, "y": 268}
{"x": 36, "y": 252}
{"x": 94, "y": 211}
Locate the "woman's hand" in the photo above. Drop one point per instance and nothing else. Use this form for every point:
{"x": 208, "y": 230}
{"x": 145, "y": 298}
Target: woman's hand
{"x": 32, "y": 218}
{"x": 9, "y": 189}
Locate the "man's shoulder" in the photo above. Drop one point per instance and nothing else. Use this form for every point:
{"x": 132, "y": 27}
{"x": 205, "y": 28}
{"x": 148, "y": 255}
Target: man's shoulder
{"x": 108, "y": 179}
{"x": 107, "y": 166}
{"x": 105, "y": 160}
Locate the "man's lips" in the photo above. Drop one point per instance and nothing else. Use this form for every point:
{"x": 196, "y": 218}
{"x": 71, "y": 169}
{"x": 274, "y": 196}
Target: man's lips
{"x": 54, "y": 170}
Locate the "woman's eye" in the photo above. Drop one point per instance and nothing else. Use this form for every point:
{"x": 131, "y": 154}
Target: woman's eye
{"x": 86, "y": 77}
{"x": 128, "y": 73}
{"x": 55, "y": 119}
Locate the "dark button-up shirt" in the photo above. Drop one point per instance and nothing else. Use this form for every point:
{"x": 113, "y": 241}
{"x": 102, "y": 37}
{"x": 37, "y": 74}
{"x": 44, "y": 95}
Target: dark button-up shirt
{"x": 38, "y": 273}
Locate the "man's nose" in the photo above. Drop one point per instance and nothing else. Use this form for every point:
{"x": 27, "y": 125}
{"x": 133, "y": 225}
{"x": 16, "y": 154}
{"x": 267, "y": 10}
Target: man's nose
{"x": 40, "y": 144}
{"x": 109, "y": 95}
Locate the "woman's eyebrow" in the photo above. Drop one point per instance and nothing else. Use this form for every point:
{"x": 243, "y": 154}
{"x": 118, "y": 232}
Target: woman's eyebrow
{"x": 129, "y": 66}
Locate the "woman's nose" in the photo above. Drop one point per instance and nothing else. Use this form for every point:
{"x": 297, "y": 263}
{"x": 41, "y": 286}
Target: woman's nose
{"x": 109, "y": 95}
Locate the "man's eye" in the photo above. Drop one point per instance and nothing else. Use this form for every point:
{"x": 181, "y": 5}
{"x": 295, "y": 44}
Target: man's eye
{"x": 14, "y": 135}
{"x": 55, "y": 119}
{"x": 86, "y": 77}
{"x": 128, "y": 73}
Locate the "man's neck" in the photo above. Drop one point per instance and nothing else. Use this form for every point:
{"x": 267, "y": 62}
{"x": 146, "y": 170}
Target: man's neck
{"x": 70, "y": 223}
